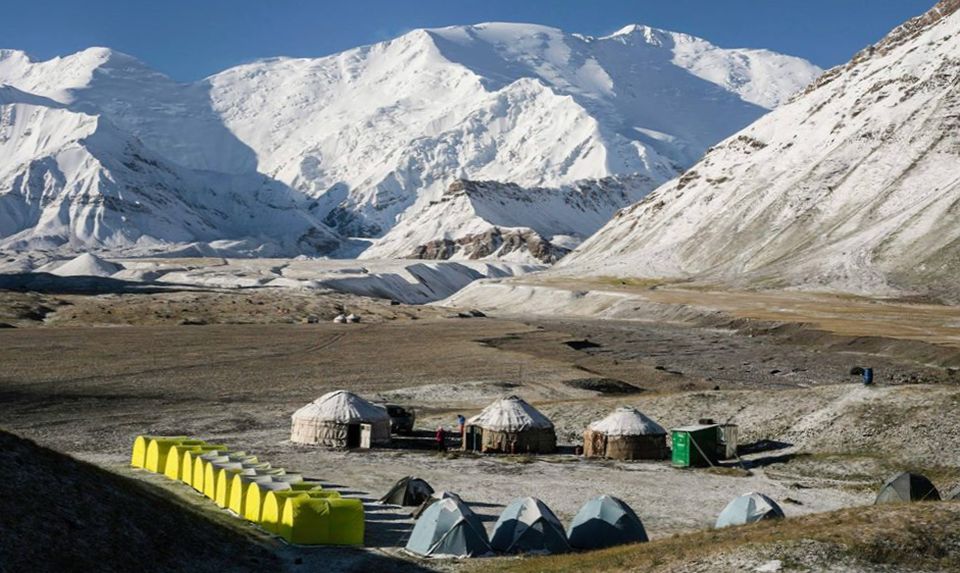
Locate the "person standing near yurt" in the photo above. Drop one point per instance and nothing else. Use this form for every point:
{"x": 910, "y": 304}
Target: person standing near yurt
{"x": 461, "y": 422}
{"x": 441, "y": 439}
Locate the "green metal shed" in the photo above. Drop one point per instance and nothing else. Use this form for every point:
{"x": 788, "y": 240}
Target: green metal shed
{"x": 695, "y": 445}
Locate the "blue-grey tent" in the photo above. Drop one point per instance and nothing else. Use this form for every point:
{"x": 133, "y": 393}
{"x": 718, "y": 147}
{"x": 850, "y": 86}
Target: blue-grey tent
{"x": 448, "y": 528}
{"x": 907, "y": 487}
{"x": 528, "y": 526}
{"x": 749, "y": 508}
{"x": 605, "y": 521}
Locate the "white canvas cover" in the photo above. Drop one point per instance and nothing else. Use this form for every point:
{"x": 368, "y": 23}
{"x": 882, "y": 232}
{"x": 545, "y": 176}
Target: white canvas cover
{"x": 748, "y": 508}
{"x": 627, "y": 421}
{"x": 511, "y": 414}
{"x": 343, "y": 407}
{"x": 327, "y": 419}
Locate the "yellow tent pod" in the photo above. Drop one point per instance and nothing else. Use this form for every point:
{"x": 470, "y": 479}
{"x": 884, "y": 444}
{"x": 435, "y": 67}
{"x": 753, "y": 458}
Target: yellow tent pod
{"x": 272, "y": 509}
{"x": 347, "y": 521}
{"x": 191, "y": 459}
{"x": 139, "y": 457}
{"x": 317, "y": 521}
{"x": 173, "y": 467}
{"x": 174, "y": 463}
{"x": 211, "y": 472}
{"x": 158, "y": 448}
{"x": 225, "y": 479}
{"x": 200, "y": 467}
{"x": 177, "y": 466}
{"x": 253, "y": 504}
{"x": 238, "y": 489}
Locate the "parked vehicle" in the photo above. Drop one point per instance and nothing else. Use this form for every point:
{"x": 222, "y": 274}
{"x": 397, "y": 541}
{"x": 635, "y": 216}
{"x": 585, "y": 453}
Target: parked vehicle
{"x": 401, "y": 419}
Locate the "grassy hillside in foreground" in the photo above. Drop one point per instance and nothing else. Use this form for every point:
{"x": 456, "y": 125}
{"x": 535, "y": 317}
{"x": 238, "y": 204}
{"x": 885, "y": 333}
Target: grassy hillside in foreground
{"x": 61, "y": 514}
{"x": 914, "y": 537}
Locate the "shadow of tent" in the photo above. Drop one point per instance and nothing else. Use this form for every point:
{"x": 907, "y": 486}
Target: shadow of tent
{"x": 599, "y": 534}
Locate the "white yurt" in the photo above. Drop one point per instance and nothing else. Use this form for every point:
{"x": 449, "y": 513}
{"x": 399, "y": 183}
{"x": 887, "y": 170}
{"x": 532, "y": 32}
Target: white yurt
{"x": 510, "y": 425}
{"x": 339, "y": 419}
{"x": 626, "y": 434}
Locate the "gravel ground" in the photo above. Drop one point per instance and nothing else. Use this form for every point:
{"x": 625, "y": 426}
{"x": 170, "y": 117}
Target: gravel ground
{"x": 824, "y": 442}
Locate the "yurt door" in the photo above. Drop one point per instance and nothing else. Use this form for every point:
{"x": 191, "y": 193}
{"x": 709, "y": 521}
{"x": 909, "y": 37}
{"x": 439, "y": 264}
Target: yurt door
{"x": 353, "y": 435}
{"x": 366, "y": 435}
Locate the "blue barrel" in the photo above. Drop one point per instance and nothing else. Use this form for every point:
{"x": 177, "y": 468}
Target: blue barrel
{"x": 867, "y": 376}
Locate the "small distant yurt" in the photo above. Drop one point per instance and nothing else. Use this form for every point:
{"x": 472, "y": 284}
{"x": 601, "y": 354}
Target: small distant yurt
{"x": 906, "y": 487}
{"x": 512, "y": 426}
{"x": 341, "y": 419}
{"x": 340, "y": 319}
{"x": 448, "y": 528}
{"x": 409, "y": 491}
{"x": 605, "y": 521}
{"x": 528, "y": 526}
{"x": 749, "y": 508}
{"x": 626, "y": 434}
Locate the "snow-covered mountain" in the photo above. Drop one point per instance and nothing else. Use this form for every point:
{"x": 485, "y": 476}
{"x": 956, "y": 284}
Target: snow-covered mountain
{"x": 855, "y": 185}
{"x": 372, "y": 137}
{"x": 70, "y": 180}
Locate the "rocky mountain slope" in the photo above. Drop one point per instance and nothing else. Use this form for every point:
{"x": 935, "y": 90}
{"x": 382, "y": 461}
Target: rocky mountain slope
{"x": 370, "y": 137}
{"x": 481, "y": 219}
{"x": 852, "y": 186}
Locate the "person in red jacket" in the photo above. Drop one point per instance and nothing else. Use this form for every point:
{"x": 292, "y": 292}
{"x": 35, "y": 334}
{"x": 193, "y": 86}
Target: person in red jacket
{"x": 441, "y": 439}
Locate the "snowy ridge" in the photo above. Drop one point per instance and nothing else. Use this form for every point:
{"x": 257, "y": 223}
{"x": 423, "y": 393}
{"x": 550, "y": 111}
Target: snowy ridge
{"x": 491, "y": 220}
{"x": 853, "y": 186}
{"x": 369, "y": 138}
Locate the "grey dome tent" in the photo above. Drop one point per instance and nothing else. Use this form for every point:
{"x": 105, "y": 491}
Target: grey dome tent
{"x": 748, "y": 508}
{"x": 435, "y": 497}
{"x": 605, "y": 521}
{"x": 448, "y": 528}
{"x": 905, "y": 487}
{"x": 408, "y": 491}
{"x": 528, "y": 526}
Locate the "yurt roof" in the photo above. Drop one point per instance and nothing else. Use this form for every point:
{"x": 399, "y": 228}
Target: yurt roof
{"x": 342, "y": 407}
{"x": 511, "y": 414}
{"x": 626, "y": 421}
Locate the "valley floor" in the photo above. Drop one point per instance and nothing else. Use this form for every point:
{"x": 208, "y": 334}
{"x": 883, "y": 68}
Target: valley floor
{"x": 817, "y": 440}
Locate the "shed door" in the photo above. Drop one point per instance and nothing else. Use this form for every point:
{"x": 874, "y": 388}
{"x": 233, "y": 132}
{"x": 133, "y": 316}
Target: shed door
{"x": 681, "y": 449}
{"x": 366, "y": 435}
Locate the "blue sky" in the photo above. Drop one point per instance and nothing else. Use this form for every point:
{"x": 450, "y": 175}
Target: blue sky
{"x": 192, "y": 39}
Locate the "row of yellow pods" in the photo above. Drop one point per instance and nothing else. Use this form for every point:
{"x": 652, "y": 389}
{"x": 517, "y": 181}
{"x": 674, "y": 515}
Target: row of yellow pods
{"x": 280, "y": 502}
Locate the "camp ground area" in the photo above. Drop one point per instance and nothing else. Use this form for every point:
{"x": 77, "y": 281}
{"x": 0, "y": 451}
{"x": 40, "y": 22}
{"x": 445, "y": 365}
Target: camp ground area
{"x": 663, "y": 430}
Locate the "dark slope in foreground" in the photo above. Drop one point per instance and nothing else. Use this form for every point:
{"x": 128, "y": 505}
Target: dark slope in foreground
{"x": 60, "y": 514}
